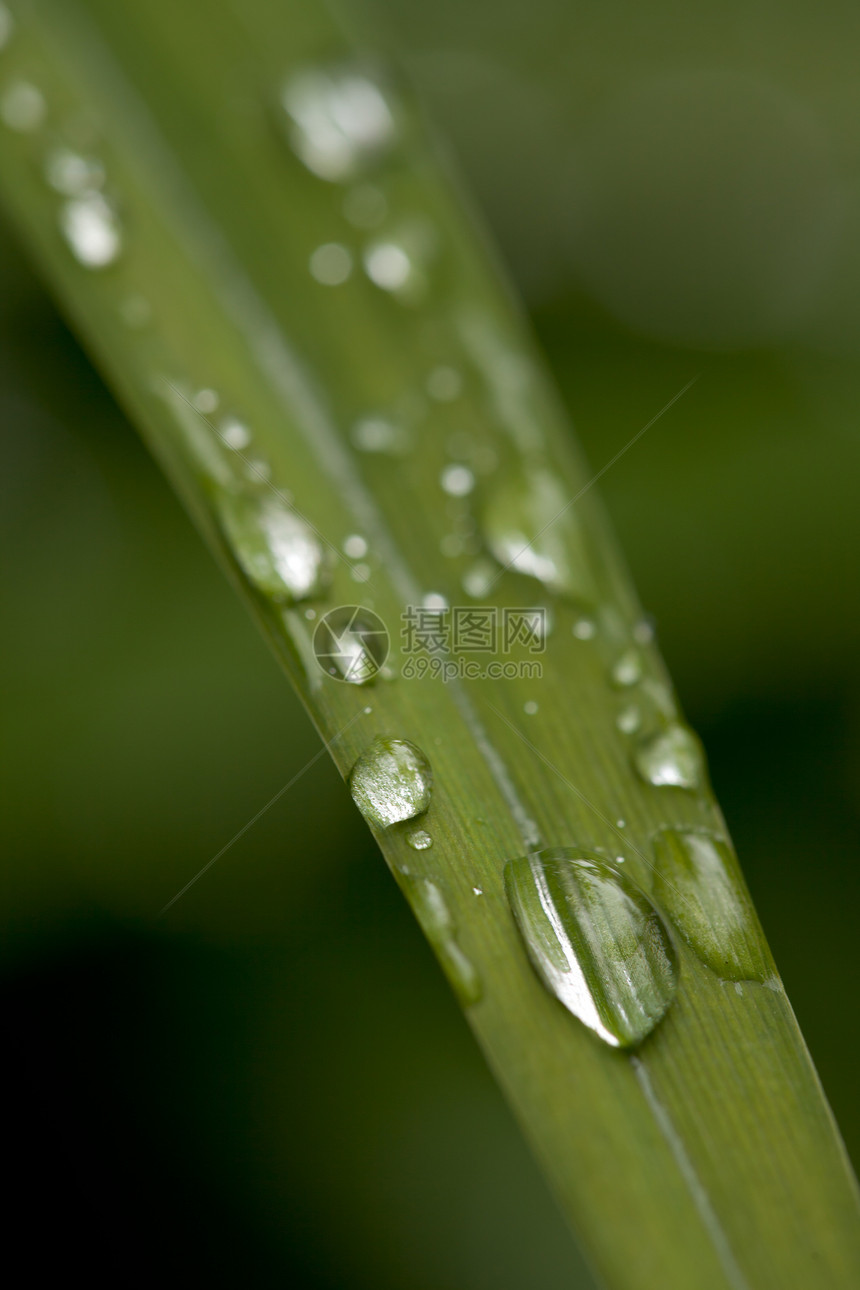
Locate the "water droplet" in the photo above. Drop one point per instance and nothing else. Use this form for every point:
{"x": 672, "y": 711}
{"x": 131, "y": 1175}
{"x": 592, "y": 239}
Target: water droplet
{"x": 629, "y": 719}
{"x": 375, "y": 434}
{"x": 73, "y": 175}
{"x": 620, "y": 823}
{"x": 457, "y": 481}
{"x": 431, "y": 909}
{"x": 22, "y": 107}
{"x": 479, "y": 891}
{"x": 673, "y": 758}
{"x": 627, "y": 670}
{"x": 206, "y": 401}
{"x": 341, "y": 121}
{"x": 351, "y": 643}
{"x": 530, "y": 527}
{"x": 419, "y": 840}
{"x": 365, "y": 206}
{"x": 278, "y": 550}
{"x": 444, "y": 384}
{"x": 595, "y": 940}
{"x": 330, "y": 264}
{"x": 310, "y": 615}
{"x": 7, "y": 26}
{"x": 530, "y": 708}
{"x": 354, "y": 546}
{"x": 435, "y": 602}
{"x": 234, "y": 434}
{"x": 478, "y": 580}
{"x": 92, "y": 230}
{"x": 699, "y": 884}
{"x": 391, "y": 782}
{"x": 584, "y": 629}
{"x": 388, "y": 266}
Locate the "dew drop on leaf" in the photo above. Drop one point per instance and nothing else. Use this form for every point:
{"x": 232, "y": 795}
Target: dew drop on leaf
{"x": 391, "y": 782}
{"x": 671, "y": 758}
{"x": 277, "y": 549}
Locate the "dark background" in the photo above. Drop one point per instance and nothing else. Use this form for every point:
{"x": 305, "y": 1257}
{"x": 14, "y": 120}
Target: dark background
{"x": 272, "y": 1083}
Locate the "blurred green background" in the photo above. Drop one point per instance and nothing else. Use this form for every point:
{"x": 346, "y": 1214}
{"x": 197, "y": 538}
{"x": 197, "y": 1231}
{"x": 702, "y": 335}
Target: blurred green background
{"x": 272, "y": 1083}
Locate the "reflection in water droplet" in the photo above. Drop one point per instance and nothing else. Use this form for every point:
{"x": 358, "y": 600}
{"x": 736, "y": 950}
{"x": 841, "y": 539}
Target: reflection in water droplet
{"x": 7, "y": 26}
{"x": 277, "y": 549}
{"x": 672, "y": 758}
{"x": 595, "y": 940}
{"x": 22, "y": 107}
{"x": 354, "y": 547}
{"x": 391, "y": 782}
{"x": 431, "y": 909}
{"x": 584, "y": 629}
{"x": 457, "y": 481}
{"x": 341, "y": 122}
{"x": 419, "y": 840}
{"x": 699, "y": 884}
{"x": 365, "y": 206}
{"x": 351, "y": 643}
{"x": 91, "y": 228}
{"x": 444, "y": 384}
{"x": 73, "y": 175}
{"x": 627, "y": 670}
{"x": 330, "y": 264}
{"x": 529, "y": 526}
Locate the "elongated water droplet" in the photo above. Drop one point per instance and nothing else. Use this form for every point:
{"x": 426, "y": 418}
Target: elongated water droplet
{"x": 698, "y": 883}
{"x": 673, "y": 758}
{"x": 351, "y": 643}
{"x": 341, "y": 122}
{"x": 92, "y": 230}
{"x": 278, "y": 550}
{"x": 595, "y": 940}
{"x": 627, "y": 670}
{"x": 391, "y": 781}
{"x": 431, "y": 909}
{"x": 529, "y": 526}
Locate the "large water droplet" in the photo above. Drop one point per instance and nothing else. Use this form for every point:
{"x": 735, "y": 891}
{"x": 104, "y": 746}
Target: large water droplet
{"x": 431, "y": 909}
{"x": 92, "y": 230}
{"x": 529, "y": 526}
{"x": 341, "y": 121}
{"x": 351, "y": 643}
{"x": 672, "y": 758}
{"x": 595, "y": 940}
{"x": 698, "y": 883}
{"x": 278, "y": 550}
{"x": 391, "y": 782}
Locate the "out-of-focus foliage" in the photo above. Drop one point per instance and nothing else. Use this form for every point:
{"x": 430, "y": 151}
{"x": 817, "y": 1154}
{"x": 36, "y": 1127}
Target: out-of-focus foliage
{"x": 676, "y": 191}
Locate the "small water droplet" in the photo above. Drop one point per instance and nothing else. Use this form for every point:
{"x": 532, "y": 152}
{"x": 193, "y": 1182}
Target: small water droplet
{"x": 596, "y": 941}
{"x": 354, "y": 546}
{"x": 698, "y": 882}
{"x": 351, "y": 643}
{"x": 457, "y": 480}
{"x": 419, "y": 840}
{"x": 365, "y": 206}
{"x": 620, "y": 823}
{"x": 234, "y": 434}
{"x": 330, "y": 264}
{"x": 258, "y": 470}
{"x": 278, "y": 550}
{"x": 478, "y": 580}
{"x": 310, "y": 615}
{"x": 629, "y": 719}
{"x": 479, "y": 891}
{"x": 584, "y": 629}
{"x": 391, "y": 782}
{"x": 530, "y": 708}
{"x": 431, "y": 909}
{"x": 73, "y": 175}
{"x": 22, "y": 106}
{"x": 341, "y": 121}
{"x": 206, "y": 402}
{"x": 376, "y": 434}
{"x": 627, "y": 670}
{"x": 367, "y": 711}
{"x": 92, "y": 230}
{"x": 530, "y": 527}
{"x": 435, "y": 602}
{"x": 7, "y": 26}
{"x": 673, "y": 758}
{"x": 444, "y": 384}
{"x": 388, "y": 266}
